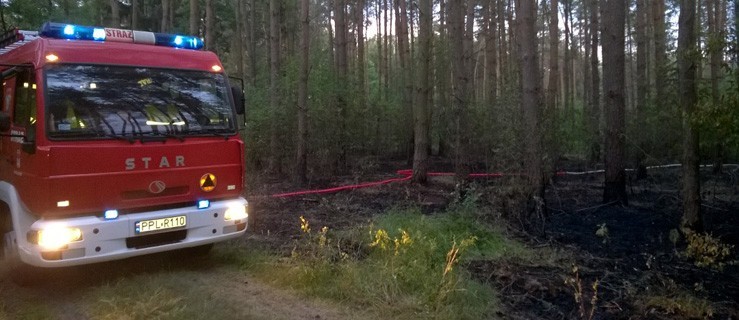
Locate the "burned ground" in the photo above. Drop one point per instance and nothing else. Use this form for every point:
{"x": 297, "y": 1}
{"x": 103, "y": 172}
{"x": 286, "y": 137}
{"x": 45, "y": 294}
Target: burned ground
{"x": 631, "y": 251}
{"x": 640, "y": 266}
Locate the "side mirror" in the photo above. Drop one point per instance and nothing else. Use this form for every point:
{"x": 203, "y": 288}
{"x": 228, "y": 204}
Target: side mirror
{"x": 4, "y": 121}
{"x": 239, "y": 99}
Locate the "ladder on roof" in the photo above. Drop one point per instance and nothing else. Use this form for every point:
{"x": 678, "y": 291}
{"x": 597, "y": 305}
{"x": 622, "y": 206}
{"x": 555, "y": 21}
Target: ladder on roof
{"x": 15, "y": 38}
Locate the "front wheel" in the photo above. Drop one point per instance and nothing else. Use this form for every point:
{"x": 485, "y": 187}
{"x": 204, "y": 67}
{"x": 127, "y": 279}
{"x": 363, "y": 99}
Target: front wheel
{"x": 19, "y": 272}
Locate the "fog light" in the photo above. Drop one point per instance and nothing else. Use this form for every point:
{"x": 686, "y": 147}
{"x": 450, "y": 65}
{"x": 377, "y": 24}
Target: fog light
{"x": 55, "y": 238}
{"x": 203, "y": 204}
{"x": 111, "y": 214}
{"x": 235, "y": 212}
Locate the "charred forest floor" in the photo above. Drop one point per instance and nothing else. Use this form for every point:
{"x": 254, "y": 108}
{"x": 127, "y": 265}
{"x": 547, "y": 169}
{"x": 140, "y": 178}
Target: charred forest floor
{"x": 632, "y": 253}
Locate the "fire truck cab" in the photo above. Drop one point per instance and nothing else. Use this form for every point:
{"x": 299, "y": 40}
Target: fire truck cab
{"x": 115, "y": 143}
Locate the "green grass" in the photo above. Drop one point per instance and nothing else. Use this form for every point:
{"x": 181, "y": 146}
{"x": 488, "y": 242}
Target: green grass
{"x": 157, "y": 296}
{"x": 367, "y": 269}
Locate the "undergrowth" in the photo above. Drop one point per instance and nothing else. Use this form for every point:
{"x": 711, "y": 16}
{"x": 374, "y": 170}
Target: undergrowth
{"x": 403, "y": 265}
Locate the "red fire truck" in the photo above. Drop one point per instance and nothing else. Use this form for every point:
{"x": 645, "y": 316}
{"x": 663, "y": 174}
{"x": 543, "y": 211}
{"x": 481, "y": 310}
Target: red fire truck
{"x": 115, "y": 143}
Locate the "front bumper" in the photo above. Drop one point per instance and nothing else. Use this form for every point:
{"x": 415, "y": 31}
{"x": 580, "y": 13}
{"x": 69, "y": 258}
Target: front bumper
{"x": 106, "y": 240}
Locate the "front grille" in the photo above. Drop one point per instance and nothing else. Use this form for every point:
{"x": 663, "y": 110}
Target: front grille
{"x": 157, "y": 239}
{"x": 143, "y": 194}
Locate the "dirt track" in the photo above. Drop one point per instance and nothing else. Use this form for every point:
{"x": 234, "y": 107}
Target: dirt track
{"x": 64, "y": 294}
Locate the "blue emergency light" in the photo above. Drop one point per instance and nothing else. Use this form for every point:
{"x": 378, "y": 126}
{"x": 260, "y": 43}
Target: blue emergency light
{"x": 203, "y": 204}
{"x": 76, "y": 32}
{"x": 69, "y": 31}
{"x": 111, "y": 214}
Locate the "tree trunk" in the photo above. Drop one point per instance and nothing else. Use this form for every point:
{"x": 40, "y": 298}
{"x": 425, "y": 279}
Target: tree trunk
{"x": 401, "y": 30}
{"x": 531, "y": 104}
{"x": 469, "y": 52}
{"x": 686, "y": 63}
{"x": 422, "y": 105}
{"x": 238, "y": 39}
{"x": 642, "y": 84}
{"x": 249, "y": 45}
{"x": 195, "y": 17}
{"x": 361, "y": 63}
{"x": 386, "y": 54}
{"x": 491, "y": 61}
{"x": 715, "y": 51}
{"x": 460, "y": 88}
{"x": 210, "y": 26}
{"x": 566, "y": 71}
{"x": 553, "y": 86}
{"x": 302, "y": 147}
{"x": 342, "y": 72}
{"x": 274, "y": 82}
{"x": 134, "y": 14}
{"x": 614, "y": 20}
{"x": 165, "y": 16}
{"x": 380, "y": 57}
{"x": 115, "y": 14}
{"x": 660, "y": 55}
{"x": 594, "y": 116}
{"x": 503, "y": 46}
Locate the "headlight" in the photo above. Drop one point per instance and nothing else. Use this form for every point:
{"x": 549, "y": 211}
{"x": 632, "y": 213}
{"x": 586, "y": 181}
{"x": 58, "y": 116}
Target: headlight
{"x": 235, "y": 212}
{"x": 55, "y": 238}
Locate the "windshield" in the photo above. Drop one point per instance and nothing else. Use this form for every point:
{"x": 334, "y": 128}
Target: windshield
{"x": 94, "y": 101}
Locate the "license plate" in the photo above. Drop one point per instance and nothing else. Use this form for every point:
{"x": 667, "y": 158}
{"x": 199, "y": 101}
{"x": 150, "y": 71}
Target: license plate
{"x": 145, "y": 226}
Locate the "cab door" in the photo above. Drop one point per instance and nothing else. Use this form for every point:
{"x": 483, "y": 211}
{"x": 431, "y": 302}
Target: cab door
{"x": 7, "y": 156}
{"x": 18, "y": 145}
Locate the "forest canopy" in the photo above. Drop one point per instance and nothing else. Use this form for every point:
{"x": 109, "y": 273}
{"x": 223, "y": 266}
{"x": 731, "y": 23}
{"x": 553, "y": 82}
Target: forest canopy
{"x": 511, "y": 86}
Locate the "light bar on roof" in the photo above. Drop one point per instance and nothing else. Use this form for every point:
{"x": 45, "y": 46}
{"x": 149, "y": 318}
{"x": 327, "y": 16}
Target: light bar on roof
{"x": 76, "y": 32}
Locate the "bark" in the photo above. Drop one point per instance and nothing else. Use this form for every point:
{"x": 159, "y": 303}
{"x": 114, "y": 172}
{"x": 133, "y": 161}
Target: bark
{"x": 165, "y": 16}
{"x": 2, "y": 16}
{"x": 715, "y": 50}
{"x": 614, "y": 20}
{"x": 302, "y": 147}
{"x": 553, "y": 86}
{"x": 134, "y": 14}
{"x": 342, "y": 72}
{"x": 401, "y": 30}
{"x": 210, "y": 26}
{"x": 686, "y": 62}
{"x": 380, "y": 56}
{"x": 460, "y": 89}
{"x": 594, "y": 116}
{"x": 386, "y": 54}
{"x": 491, "y": 61}
{"x": 531, "y": 104}
{"x": 274, "y": 81}
{"x": 660, "y": 55}
{"x": 361, "y": 81}
{"x": 172, "y": 4}
{"x": 195, "y": 17}
{"x": 115, "y": 14}
{"x": 249, "y": 45}
{"x": 238, "y": 39}
{"x": 422, "y": 106}
{"x": 642, "y": 83}
{"x": 469, "y": 41}
{"x": 503, "y": 45}
{"x": 566, "y": 71}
